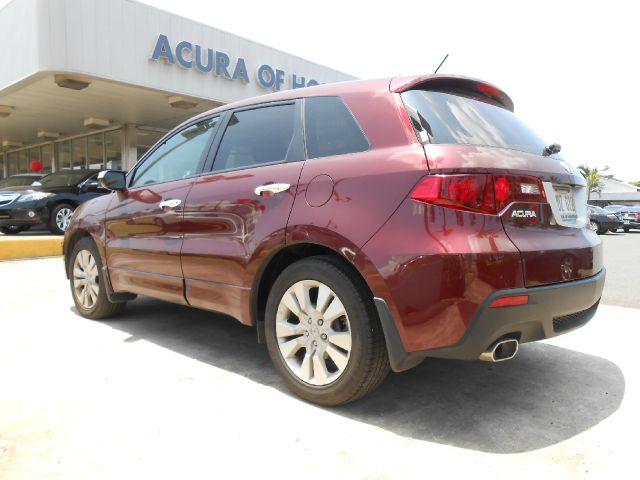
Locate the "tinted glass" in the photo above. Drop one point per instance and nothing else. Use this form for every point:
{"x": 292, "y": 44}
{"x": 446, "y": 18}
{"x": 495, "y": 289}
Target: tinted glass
{"x": 62, "y": 179}
{"x": 259, "y": 136}
{"x": 447, "y": 118}
{"x": 178, "y": 157}
{"x": 17, "y": 181}
{"x": 330, "y": 128}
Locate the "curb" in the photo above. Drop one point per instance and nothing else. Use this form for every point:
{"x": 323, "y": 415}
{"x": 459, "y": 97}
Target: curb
{"x": 29, "y": 247}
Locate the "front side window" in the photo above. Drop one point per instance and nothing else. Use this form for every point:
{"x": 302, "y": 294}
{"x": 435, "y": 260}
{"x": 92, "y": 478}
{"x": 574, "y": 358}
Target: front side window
{"x": 259, "y": 136}
{"x": 179, "y": 156}
{"x": 330, "y": 129}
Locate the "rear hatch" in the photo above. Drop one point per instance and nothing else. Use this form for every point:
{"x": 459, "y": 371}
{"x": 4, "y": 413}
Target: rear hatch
{"x": 475, "y": 145}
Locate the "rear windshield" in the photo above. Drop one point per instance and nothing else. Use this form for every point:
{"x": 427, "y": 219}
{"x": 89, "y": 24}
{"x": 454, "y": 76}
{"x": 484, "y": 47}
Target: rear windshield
{"x": 17, "y": 181}
{"x": 445, "y": 118}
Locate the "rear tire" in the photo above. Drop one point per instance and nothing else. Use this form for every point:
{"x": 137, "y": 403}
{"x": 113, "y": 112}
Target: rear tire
{"x": 88, "y": 282}
{"x": 13, "y": 229}
{"x": 613, "y": 230}
{"x": 60, "y": 218}
{"x": 330, "y": 351}
{"x": 626, "y": 229}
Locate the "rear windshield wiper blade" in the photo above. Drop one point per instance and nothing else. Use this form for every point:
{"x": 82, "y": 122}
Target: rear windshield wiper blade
{"x": 551, "y": 149}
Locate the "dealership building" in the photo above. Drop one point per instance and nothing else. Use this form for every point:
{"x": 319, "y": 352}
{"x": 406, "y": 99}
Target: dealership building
{"x": 94, "y": 83}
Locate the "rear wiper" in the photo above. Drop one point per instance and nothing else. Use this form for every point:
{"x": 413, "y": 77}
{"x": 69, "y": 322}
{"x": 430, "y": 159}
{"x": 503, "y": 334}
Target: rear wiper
{"x": 551, "y": 149}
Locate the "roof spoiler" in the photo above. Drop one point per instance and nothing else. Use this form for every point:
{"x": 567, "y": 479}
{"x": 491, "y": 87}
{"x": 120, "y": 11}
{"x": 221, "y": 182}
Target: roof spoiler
{"x": 453, "y": 82}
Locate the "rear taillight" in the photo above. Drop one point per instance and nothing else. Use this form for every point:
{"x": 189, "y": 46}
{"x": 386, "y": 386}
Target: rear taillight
{"x": 612, "y": 217}
{"x": 637, "y": 216}
{"x": 479, "y": 192}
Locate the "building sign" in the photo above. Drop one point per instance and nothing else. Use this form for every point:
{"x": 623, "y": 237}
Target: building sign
{"x": 206, "y": 60}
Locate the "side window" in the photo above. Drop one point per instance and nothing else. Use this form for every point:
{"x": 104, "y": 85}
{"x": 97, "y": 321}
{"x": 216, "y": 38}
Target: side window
{"x": 331, "y": 129}
{"x": 178, "y": 157}
{"x": 259, "y": 136}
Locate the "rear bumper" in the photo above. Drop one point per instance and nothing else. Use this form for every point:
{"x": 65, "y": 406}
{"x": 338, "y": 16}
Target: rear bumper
{"x": 552, "y": 310}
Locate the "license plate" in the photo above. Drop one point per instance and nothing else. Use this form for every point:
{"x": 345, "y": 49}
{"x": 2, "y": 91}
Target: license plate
{"x": 626, "y": 222}
{"x": 566, "y": 204}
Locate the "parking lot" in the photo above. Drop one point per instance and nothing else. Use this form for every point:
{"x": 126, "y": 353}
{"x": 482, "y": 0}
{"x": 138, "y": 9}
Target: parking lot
{"x": 170, "y": 392}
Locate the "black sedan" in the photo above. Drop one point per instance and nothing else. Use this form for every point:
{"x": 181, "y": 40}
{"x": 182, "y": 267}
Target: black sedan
{"x": 631, "y": 218}
{"x": 50, "y": 201}
{"x": 601, "y": 221}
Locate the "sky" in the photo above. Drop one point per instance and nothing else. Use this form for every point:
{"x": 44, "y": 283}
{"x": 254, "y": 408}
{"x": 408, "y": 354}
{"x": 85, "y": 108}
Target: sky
{"x": 571, "y": 67}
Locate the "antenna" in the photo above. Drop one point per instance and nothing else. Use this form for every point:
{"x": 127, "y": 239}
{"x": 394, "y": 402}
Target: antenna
{"x": 443, "y": 60}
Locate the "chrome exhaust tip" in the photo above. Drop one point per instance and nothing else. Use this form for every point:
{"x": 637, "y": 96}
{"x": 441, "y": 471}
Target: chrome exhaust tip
{"x": 500, "y": 351}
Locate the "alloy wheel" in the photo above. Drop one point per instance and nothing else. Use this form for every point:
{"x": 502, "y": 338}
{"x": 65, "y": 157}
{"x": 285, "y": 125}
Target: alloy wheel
{"x": 593, "y": 226}
{"x": 313, "y": 332}
{"x": 63, "y": 217}
{"x": 86, "y": 284}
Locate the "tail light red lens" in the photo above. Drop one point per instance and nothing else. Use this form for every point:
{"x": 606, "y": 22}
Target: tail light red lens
{"x": 479, "y": 192}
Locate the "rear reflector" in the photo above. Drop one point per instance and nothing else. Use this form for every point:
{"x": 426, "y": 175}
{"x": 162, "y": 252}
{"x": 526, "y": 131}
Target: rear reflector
{"x": 480, "y": 192}
{"x": 510, "y": 301}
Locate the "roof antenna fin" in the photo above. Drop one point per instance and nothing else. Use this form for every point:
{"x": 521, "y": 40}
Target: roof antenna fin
{"x": 441, "y": 63}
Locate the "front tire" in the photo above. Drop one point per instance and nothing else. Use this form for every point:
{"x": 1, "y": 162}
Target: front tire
{"x": 13, "y": 229}
{"x": 323, "y": 333}
{"x": 88, "y": 282}
{"x": 60, "y": 218}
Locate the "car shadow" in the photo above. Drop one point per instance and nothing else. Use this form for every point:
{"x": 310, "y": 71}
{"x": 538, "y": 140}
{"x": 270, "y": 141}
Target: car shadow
{"x": 545, "y": 395}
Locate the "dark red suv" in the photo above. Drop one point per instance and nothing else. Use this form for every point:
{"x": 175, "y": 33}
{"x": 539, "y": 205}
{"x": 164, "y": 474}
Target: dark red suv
{"x": 360, "y": 226}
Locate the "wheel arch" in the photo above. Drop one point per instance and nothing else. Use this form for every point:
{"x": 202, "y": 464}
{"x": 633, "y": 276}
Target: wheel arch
{"x": 71, "y": 241}
{"x": 280, "y": 260}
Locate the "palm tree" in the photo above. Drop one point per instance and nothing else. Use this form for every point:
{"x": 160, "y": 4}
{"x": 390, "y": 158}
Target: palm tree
{"x": 593, "y": 177}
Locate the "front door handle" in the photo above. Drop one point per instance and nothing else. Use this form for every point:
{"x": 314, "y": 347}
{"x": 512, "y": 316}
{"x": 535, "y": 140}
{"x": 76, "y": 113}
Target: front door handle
{"x": 170, "y": 204}
{"x": 270, "y": 189}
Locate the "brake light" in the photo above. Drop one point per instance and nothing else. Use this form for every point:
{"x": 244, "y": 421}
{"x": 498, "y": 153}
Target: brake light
{"x": 480, "y": 192}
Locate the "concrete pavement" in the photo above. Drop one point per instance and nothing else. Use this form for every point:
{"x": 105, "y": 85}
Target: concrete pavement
{"x": 170, "y": 392}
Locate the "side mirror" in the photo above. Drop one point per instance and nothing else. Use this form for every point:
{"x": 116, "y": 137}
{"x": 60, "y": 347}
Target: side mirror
{"x": 113, "y": 180}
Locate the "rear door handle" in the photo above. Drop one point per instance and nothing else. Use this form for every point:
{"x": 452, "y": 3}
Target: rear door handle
{"x": 169, "y": 204}
{"x": 270, "y": 189}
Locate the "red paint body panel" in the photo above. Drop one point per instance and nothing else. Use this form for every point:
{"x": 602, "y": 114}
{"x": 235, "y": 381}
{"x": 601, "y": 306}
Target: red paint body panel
{"x": 226, "y": 229}
{"x": 434, "y": 266}
{"x": 143, "y": 242}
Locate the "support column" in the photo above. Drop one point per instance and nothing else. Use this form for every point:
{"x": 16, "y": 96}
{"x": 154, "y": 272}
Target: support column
{"x": 5, "y": 167}
{"x": 129, "y": 146}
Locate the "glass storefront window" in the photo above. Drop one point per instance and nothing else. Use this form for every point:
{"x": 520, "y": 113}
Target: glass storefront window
{"x": 64, "y": 155}
{"x": 46, "y": 157}
{"x": 2, "y": 157}
{"x": 113, "y": 147}
{"x": 12, "y": 164}
{"x": 95, "y": 151}
{"x": 23, "y": 161}
{"x": 79, "y": 153}
{"x": 146, "y": 139}
{"x": 34, "y": 156}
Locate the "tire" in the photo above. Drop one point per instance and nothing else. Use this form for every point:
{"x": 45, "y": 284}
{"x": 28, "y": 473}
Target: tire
{"x": 86, "y": 275}
{"x": 353, "y": 356}
{"x": 594, "y": 226}
{"x": 13, "y": 229}
{"x": 614, "y": 230}
{"x": 60, "y": 218}
{"x": 626, "y": 229}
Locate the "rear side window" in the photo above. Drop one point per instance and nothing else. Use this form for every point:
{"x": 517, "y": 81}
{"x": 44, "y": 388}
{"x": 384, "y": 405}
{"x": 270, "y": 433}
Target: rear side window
{"x": 259, "y": 136}
{"x": 331, "y": 129}
{"x": 446, "y": 118}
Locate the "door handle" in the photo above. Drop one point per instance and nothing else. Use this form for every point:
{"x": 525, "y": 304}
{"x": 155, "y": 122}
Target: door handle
{"x": 270, "y": 189}
{"x": 170, "y": 204}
